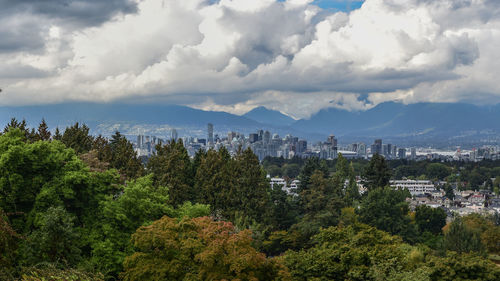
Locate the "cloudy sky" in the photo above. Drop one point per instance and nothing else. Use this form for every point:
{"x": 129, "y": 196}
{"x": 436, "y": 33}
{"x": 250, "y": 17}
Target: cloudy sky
{"x": 296, "y": 56}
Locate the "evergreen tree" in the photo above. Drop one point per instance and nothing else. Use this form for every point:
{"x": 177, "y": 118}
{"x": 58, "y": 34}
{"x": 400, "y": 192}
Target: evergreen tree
{"x": 377, "y": 174}
{"x": 43, "y": 132}
{"x": 352, "y": 192}
{"x": 57, "y": 134}
{"x": 123, "y": 157}
{"x": 214, "y": 179}
{"x": 172, "y": 167}
{"x": 250, "y": 195}
{"x": 77, "y": 137}
{"x": 311, "y": 165}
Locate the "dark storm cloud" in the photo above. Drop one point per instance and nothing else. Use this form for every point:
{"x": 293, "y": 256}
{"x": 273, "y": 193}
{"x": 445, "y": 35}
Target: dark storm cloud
{"x": 81, "y": 12}
{"x": 25, "y": 23}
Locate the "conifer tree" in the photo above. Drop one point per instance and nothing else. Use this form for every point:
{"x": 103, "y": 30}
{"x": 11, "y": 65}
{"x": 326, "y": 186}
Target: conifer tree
{"x": 172, "y": 167}
{"x": 377, "y": 174}
{"x": 43, "y": 132}
{"x": 78, "y": 138}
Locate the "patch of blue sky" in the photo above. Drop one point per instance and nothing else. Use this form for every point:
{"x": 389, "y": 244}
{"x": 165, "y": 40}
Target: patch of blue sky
{"x": 334, "y": 5}
{"x": 340, "y": 5}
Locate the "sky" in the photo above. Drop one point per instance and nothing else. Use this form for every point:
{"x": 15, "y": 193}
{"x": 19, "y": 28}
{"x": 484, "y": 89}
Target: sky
{"x": 295, "y": 56}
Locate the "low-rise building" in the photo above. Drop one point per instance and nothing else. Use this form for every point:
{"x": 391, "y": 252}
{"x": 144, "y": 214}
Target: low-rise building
{"x": 415, "y": 187}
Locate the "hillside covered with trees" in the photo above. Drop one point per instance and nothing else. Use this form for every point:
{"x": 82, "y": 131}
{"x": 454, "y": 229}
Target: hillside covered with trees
{"x": 78, "y": 207}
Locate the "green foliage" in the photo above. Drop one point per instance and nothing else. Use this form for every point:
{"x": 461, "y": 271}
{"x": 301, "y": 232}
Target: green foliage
{"x": 352, "y": 195}
{"x": 386, "y": 209}
{"x": 377, "y": 174}
{"x": 123, "y": 157}
{"x": 291, "y": 170}
{"x": 462, "y": 239}
{"x": 43, "y": 132}
{"x": 54, "y": 239}
{"x": 8, "y": 246}
{"x": 355, "y": 252}
{"x": 77, "y": 137}
{"x": 250, "y": 193}
{"x": 214, "y": 179}
{"x": 360, "y": 252}
{"x": 311, "y": 165}
{"x": 437, "y": 171}
{"x": 139, "y": 203}
{"x": 430, "y": 219}
{"x": 197, "y": 249}
{"x": 50, "y": 272}
{"x": 171, "y": 166}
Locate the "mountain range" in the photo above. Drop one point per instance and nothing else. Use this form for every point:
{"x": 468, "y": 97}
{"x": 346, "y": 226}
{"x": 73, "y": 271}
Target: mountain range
{"x": 420, "y": 121}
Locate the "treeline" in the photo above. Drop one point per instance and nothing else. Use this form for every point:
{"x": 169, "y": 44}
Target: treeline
{"x": 474, "y": 174}
{"x": 78, "y": 207}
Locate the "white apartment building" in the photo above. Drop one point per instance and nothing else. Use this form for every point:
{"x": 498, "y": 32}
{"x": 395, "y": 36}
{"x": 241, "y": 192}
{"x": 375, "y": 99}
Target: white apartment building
{"x": 415, "y": 187}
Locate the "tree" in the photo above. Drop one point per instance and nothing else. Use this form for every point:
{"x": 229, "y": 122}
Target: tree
{"x": 430, "y": 219}
{"x": 250, "y": 196}
{"x": 377, "y": 174}
{"x": 43, "y": 132}
{"x": 197, "y": 249}
{"x": 437, "y": 171}
{"x": 311, "y": 165}
{"x": 139, "y": 203}
{"x": 54, "y": 240}
{"x": 57, "y": 134}
{"x": 172, "y": 167}
{"x": 77, "y": 137}
{"x": 123, "y": 156}
{"x": 214, "y": 179}
{"x": 355, "y": 252}
{"x": 386, "y": 209}
{"x": 462, "y": 239}
{"x": 352, "y": 191}
{"x": 8, "y": 247}
{"x": 291, "y": 170}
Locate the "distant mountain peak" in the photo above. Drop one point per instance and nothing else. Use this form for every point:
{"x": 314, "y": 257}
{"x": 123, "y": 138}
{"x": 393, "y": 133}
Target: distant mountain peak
{"x": 264, "y": 115}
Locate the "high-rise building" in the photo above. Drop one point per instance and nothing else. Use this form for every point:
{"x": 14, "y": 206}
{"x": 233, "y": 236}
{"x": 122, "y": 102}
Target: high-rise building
{"x": 267, "y": 137}
{"x": 302, "y": 146}
{"x": 139, "y": 141}
{"x": 210, "y": 140}
{"x": 253, "y": 137}
{"x": 377, "y": 147}
{"x": 413, "y": 153}
{"x": 401, "y": 153}
{"x": 173, "y": 134}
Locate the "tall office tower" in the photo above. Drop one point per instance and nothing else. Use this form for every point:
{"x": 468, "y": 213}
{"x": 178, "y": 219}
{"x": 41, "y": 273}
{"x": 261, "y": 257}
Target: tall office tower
{"x": 302, "y": 146}
{"x": 362, "y": 149}
{"x": 394, "y": 151}
{"x": 389, "y": 149}
{"x": 253, "y": 137}
{"x": 267, "y": 137}
{"x": 210, "y": 134}
{"x": 413, "y": 153}
{"x": 401, "y": 153}
{"x": 139, "y": 141}
{"x": 173, "y": 135}
{"x": 377, "y": 147}
{"x": 261, "y": 135}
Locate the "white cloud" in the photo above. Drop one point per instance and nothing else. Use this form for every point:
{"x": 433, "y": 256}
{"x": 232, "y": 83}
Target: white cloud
{"x": 291, "y": 56}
